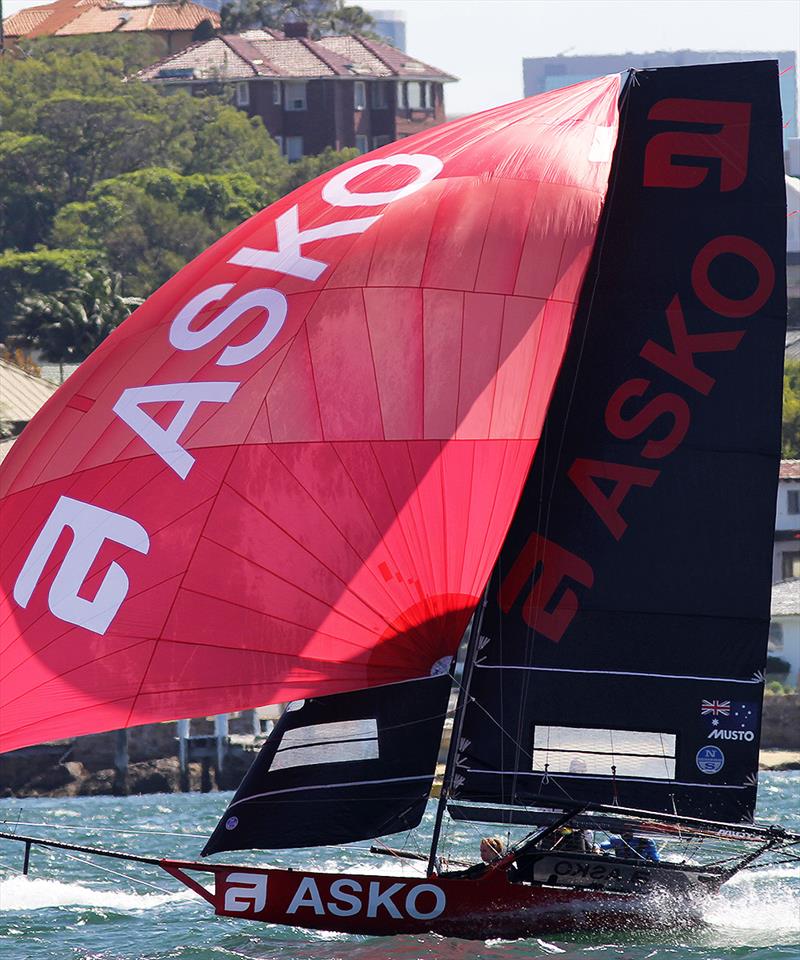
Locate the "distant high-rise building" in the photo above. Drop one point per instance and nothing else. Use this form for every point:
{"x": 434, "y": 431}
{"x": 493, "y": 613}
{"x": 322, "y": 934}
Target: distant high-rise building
{"x": 391, "y": 25}
{"x": 552, "y": 73}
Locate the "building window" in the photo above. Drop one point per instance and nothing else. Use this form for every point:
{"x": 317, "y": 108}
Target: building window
{"x": 380, "y": 142}
{"x": 279, "y": 141}
{"x": 793, "y": 501}
{"x": 414, "y": 95}
{"x": 402, "y": 99}
{"x": 791, "y": 565}
{"x": 295, "y": 97}
{"x": 242, "y": 94}
{"x": 359, "y": 95}
{"x": 775, "y": 637}
{"x": 276, "y": 93}
{"x": 380, "y": 96}
{"x": 294, "y": 148}
{"x": 362, "y": 143}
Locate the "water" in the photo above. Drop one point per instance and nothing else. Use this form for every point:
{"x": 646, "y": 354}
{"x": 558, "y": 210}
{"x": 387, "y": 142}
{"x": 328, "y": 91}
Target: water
{"x": 71, "y": 910}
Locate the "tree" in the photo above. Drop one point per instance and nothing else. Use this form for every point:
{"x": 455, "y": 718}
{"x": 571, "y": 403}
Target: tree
{"x": 69, "y": 325}
{"x": 149, "y": 223}
{"x": 307, "y": 168}
{"x": 324, "y": 17}
{"x": 791, "y": 410}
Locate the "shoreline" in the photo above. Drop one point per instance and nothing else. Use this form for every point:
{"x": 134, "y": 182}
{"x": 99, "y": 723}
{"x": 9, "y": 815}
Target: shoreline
{"x": 779, "y": 759}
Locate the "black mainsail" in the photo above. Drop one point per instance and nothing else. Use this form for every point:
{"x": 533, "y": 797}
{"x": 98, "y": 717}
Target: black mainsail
{"x": 621, "y": 653}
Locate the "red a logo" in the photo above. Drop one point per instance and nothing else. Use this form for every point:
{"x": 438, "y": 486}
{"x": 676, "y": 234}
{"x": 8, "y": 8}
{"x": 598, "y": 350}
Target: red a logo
{"x": 728, "y": 145}
{"x": 551, "y": 604}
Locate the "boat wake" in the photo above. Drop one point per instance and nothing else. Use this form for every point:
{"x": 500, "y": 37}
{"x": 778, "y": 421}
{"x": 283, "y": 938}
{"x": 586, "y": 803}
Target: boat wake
{"x": 24, "y": 893}
{"x": 755, "y": 909}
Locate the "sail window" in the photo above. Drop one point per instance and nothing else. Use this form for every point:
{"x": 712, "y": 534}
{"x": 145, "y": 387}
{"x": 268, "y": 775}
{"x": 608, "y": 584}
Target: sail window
{"x": 604, "y": 753}
{"x": 340, "y": 742}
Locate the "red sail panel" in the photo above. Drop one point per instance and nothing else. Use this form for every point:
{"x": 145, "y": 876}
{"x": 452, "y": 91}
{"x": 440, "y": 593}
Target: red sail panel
{"x": 290, "y": 471}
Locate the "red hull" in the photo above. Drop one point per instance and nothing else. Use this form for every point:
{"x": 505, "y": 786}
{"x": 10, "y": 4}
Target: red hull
{"x": 379, "y": 905}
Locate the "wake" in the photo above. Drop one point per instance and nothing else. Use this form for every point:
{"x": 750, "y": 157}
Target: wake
{"x": 24, "y": 893}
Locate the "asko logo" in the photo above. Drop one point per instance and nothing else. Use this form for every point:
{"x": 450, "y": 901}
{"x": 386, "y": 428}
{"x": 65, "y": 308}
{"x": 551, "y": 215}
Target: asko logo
{"x": 552, "y": 572}
{"x": 345, "y": 897}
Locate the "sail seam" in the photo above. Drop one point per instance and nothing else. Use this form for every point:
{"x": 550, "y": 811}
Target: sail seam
{"x": 329, "y": 786}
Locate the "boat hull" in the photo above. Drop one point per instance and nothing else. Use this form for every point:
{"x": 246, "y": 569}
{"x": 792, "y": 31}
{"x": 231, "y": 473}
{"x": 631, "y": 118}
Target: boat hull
{"x": 483, "y": 907}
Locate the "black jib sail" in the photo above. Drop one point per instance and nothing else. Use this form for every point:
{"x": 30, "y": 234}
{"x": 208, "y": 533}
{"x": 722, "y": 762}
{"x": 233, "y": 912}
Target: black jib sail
{"x": 621, "y": 651}
{"x": 335, "y": 769}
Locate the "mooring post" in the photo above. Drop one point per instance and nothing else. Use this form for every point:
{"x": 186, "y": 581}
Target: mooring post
{"x": 121, "y": 786}
{"x": 27, "y": 859}
{"x": 183, "y": 754}
{"x": 221, "y": 733}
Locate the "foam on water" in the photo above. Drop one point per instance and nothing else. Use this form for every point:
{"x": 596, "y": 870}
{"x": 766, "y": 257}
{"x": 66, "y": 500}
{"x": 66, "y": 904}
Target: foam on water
{"x": 757, "y": 908}
{"x": 25, "y": 893}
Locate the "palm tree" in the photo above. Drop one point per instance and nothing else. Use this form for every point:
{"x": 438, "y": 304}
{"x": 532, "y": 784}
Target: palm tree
{"x": 67, "y": 326}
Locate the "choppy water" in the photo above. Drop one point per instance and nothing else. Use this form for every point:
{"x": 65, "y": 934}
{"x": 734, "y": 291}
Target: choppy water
{"x": 71, "y": 910}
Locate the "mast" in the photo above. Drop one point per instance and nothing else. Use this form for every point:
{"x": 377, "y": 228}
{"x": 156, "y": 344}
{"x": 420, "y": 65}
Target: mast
{"x": 463, "y": 692}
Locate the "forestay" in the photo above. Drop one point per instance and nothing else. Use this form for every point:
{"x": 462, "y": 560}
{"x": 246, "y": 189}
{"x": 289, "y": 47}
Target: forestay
{"x": 624, "y": 641}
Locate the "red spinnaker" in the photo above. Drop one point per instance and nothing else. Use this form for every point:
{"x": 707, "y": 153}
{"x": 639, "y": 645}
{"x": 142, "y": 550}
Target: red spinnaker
{"x": 290, "y": 471}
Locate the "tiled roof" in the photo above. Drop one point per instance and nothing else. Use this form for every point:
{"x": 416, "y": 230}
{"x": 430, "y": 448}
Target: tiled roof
{"x": 207, "y": 59}
{"x": 382, "y": 59}
{"x": 252, "y": 53}
{"x": 790, "y": 470}
{"x": 23, "y": 22}
{"x": 792, "y": 345}
{"x": 21, "y": 394}
{"x": 785, "y": 598}
{"x": 68, "y": 18}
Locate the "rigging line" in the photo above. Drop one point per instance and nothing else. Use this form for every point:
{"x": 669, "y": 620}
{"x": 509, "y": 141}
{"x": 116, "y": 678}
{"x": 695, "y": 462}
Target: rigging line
{"x": 516, "y": 743}
{"x": 69, "y": 826}
{"x": 117, "y": 873}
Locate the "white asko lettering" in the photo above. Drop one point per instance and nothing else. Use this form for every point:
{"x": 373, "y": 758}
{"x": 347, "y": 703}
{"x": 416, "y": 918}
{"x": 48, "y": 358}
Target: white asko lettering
{"x": 349, "y": 898}
{"x": 93, "y": 525}
{"x": 747, "y": 735}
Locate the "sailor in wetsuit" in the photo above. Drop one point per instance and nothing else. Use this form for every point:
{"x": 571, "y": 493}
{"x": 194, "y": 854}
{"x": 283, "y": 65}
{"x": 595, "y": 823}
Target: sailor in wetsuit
{"x": 632, "y": 847}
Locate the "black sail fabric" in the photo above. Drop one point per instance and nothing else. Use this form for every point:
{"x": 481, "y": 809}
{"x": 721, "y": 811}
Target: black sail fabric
{"x": 335, "y": 769}
{"x": 625, "y": 634}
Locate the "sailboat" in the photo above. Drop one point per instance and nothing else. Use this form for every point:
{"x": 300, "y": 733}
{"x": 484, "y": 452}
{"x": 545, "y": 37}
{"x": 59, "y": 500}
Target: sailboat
{"x": 515, "y": 379}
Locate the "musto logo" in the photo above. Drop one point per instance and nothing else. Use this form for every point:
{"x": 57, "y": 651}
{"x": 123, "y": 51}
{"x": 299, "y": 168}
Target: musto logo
{"x": 345, "y": 897}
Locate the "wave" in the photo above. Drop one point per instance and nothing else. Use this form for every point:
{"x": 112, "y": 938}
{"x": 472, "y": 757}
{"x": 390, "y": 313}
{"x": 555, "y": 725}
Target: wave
{"x": 25, "y": 893}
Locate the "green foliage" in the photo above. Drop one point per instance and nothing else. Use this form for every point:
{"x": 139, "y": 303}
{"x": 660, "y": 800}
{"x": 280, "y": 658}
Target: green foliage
{"x": 38, "y": 271}
{"x": 70, "y": 324}
{"x": 309, "y": 167}
{"x": 777, "y": 666}
{"x": 791, "y": 410}
{"x": 777, "y": 689}
{"x": 133, "y": 51}
{"x": 324, "y": 17}
{"x": 149, "y": 223}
